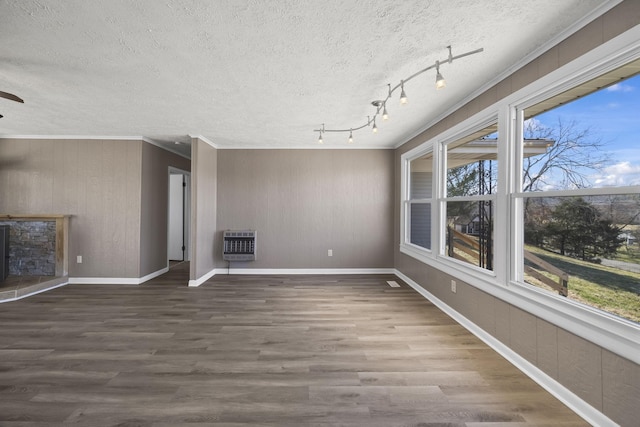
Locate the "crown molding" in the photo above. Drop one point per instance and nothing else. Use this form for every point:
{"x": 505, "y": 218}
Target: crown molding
{"x": 98, "y": 138}
{"x": 72, "y": 137}
{"x": 315, "y": 147}
{"x": 205, "y": 140}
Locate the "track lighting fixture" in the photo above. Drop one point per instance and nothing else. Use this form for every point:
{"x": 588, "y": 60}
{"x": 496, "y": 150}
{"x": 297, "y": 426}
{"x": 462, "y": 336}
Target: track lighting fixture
{"x": 381, "y": 105}
{"x": 385, "y": 115}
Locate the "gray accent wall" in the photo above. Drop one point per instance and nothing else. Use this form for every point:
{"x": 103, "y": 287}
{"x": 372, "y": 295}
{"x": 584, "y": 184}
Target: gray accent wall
{"x": 97, "y": 182}
{"x": 304, "y": 202}
{"x": 204, "y": 171}
{"x": 114, "y": 190}
{"x": 606, "y": 381}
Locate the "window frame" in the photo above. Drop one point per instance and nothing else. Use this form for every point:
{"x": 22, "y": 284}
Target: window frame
{"x": 443, "y": 198}
{"x": 437, "y": 146}
{"x": 407, "y": 201}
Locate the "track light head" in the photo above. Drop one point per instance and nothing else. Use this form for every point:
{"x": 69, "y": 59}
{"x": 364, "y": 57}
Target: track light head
{"x": 403, "y": 96}
{"x": 385, "y": 115}
{"x": 350, "y": 136}
{"x": 440, "y": 83}
{"x": 375, "y": 128}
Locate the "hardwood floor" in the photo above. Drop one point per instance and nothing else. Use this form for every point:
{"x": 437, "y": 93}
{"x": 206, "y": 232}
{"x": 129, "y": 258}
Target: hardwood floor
{"x": 255, "y": 351}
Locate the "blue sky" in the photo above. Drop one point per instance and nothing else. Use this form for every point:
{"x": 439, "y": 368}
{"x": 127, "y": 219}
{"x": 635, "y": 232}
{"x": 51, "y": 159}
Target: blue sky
{"x": 613, "y": 114}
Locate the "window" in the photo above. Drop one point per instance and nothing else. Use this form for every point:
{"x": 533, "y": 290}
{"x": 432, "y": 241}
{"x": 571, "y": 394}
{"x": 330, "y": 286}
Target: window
{"x": 418, "y": 206}
{"x": 469, "y": 196}
{"x": 579, "y": 196}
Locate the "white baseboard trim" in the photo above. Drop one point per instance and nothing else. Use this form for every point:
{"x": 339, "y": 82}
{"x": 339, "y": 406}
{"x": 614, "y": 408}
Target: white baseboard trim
{"x": 117, "y": 280}
{"x": 293, "y": 271}
{"x": 287, "y": 271}
{"x": 199, "y": 281}
{"x": 39, "y": 291}
{"x": 566, "y": 396}
{"x": 154, "y": 274}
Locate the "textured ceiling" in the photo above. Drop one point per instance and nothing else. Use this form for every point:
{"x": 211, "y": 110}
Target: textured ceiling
{"x": 256, "y": 73}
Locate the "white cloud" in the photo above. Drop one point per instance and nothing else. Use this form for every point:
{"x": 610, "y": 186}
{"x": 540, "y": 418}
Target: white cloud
{"x": 534, "y": 123}
{"x": 619, "y": 174}
{"x": 620, "y": 87}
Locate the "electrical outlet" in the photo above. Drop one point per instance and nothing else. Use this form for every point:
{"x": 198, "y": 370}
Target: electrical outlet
{"x": 453, "y": 286}
{"x": 330, "y": 252}
{"x": 79, "y": 259}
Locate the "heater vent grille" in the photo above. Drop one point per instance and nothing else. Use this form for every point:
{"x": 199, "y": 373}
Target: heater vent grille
{"x": 239, "y": 245}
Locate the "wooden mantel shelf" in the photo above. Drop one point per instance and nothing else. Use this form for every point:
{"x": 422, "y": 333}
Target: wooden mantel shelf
{"x": 62, "y": 236}
{"x": 32, "y": 217}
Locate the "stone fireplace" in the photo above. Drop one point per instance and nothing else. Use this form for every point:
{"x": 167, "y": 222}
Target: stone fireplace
{"x": 37, "y": 244}
{"x": 32, "y": 248}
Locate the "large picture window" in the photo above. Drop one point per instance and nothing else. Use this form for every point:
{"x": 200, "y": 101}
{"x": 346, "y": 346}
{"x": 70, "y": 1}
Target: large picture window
{"x": 580, "y": 202}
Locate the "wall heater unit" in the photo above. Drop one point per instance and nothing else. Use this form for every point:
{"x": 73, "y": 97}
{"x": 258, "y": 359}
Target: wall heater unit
{"x": 239, "y": 245}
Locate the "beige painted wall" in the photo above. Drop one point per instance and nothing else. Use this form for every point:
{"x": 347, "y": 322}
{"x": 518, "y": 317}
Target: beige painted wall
{"x": 115, "y": 191}
{"x": 95, "y": 181}
{"x": 304, "y": 202}
{"x": 603, "y": 379}
{"x": 155, "y": 202}
{"x": 204, "y": 171}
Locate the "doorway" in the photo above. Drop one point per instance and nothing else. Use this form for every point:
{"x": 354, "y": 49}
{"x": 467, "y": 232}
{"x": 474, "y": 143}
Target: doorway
{"x": 179, "y": 215}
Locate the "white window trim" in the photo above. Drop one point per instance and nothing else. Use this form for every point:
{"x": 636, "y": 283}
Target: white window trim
{"x": 615, "y": 334}
{"x": 600, "y": 191}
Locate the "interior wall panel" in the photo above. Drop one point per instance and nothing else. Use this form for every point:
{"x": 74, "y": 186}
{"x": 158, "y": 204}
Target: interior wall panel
{"x": 304, "y": 203}
{"x": 204, "y": 171}
{"x": 96, "y": 182}
{"x": 621, "y": 388}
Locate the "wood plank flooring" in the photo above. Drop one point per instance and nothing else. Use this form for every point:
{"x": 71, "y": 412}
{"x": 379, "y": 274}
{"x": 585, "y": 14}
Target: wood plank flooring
{"x": 255, "y": 351}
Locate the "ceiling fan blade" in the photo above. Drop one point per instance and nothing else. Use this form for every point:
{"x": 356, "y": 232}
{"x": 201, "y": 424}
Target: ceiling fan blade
{"x": 10, "y": 96}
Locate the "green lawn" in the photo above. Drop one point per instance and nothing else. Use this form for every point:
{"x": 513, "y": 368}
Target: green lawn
{"x": 609, "y": 289}
{"x": 629, "y": 254}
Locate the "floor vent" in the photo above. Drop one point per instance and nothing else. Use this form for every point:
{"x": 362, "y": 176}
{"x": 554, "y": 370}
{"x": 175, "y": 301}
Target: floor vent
{"x": 393, "y": 283}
